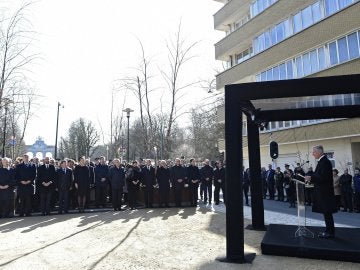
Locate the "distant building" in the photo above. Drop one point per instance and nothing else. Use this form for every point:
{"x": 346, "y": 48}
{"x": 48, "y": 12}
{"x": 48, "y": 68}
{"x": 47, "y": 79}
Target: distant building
{"x": 280, "y": 40}
{"x": 39, "y": 149}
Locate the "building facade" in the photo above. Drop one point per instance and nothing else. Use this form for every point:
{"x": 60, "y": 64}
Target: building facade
{"x": 278, "y": 40}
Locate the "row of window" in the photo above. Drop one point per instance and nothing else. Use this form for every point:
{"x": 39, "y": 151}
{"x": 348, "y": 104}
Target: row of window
{"x": 259, "y": 6}
{"x": 301, "y": 20}
{"x": 336, "y": 52}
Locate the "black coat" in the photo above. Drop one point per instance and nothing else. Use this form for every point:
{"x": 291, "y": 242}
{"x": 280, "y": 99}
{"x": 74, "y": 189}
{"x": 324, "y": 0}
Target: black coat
{"x": 64, "y": 179}
{"x": 193, "y": 174}
{"x": 25, "y": 172}
{"x": 133, "y": 174}
{"x": 148, "y": 176}
{"x": 163, "y": 178}
{"x": 82, "y": 179}
{"x": 117, "y": 177}
{"x": 345, "y": 181}
{"x": 177, "y": 172}
{"x": 7, "y": 178}
{"x": 207, "y": 172}
{"x": 324, "y": 197}
{"x": 101, "y": 171}
{"x": 46, "y": 175}
{"x": 220, "y": 174}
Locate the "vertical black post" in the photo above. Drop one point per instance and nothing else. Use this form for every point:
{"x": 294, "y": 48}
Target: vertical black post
{"x": 4, "y": 139}
{"x": 128, "y": 139}
{"x": 57, "y": 127}
{"x": 234, "y": 180}
{"x": 257, "y": 203}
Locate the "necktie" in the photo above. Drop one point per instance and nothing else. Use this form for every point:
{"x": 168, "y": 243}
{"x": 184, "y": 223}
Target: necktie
{"x": 47, "y": 166}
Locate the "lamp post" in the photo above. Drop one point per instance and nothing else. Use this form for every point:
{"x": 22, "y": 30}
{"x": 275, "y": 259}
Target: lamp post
{"x": 128, "y": 111}
{"x": 155, "y": 150}
{"x": 57, "y": 128}
{"x": 162, "y": 142}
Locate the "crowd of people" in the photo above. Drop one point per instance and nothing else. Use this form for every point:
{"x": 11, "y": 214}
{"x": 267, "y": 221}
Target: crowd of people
{"x": 279, "y": 183}
{"x": 33, "y": 185}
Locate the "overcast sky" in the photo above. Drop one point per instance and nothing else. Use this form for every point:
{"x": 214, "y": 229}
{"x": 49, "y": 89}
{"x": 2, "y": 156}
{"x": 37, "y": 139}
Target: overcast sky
{"x": 86, "y": 45}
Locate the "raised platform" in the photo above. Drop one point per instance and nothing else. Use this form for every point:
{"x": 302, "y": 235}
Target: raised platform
{"x": 280, "y": 240}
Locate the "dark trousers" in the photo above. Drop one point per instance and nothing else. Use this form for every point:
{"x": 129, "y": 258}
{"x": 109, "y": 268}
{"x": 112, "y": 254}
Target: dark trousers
{"x": 329, "y": 223}
{"x": 116, "y": 197}
{"x": 25, "y": 204}
{"x": 338, "y": 201}
{"x": 164, "y": 196}
{"x": 202, "y": 189}
{"x": 194, "y": 190}
{"x": 63, "y": 200}
{"x": 148, "y": 196}
{"x": 218, "y": 186}
{"x": 178, "y": 193}
{"x": 5, "y": 206}
{"x": 280, "y": 192}
{"x": 100, "y": 195}
{"x": 271, "y": 188}
{"x": 264, "y": 188}
{"x": 309, "y": 195}
{"x": 207, "y": 191}
{"x": 45, "y": 200}
{"x": 132, "y": 197}
{"x": 246, "y": 193}
{"x": 348, "y": 200}
{"x": 357, "y": 200}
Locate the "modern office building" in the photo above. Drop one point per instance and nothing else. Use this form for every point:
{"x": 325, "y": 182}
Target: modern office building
{"x": 287, "y": 39}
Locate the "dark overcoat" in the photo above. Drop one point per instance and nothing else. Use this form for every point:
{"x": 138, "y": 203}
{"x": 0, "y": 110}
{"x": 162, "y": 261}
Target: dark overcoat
{"x": 324, "y": 197}
{"x": 7, "y": 177}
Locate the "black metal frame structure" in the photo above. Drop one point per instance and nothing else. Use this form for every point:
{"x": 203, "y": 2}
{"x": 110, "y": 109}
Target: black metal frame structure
{"x": 239, "y": 100}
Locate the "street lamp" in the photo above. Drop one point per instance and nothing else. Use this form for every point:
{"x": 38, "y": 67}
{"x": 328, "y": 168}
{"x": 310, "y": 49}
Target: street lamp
{"x": 128, "y": 111}
{"x": 57, "y": 128}
{"x": 162, "y": 142}
{"x": 155, "y": 150}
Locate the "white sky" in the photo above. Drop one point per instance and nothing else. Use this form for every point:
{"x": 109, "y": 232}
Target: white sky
{"x": 87, "y": 44}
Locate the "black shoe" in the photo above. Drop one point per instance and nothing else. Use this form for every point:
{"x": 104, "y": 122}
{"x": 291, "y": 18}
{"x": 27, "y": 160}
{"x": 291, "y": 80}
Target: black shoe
{"x": 326, "y": 235}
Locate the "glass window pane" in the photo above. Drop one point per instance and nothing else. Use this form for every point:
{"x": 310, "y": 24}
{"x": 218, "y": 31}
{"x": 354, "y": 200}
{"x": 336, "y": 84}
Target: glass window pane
{"x": 297, "y": 22}
{"x": 343, "y": 50}
{"x": 322, "y": 62}
{"x": 357, "y": 99}
{"x": 333, "y": 53}
{"x": 338, "y": 100}
{"x": 289, "y": 70}
{"x": 269, "y": 75}
{"x": 280, "y": 32}
{"x": 276, "y": 73}
{"x": 273, "y": 36}
{"x": 288, "y": 28}
{"x": 287, "y": 123}
{"x": 267, "y": 39}
{"x": 330, "y": 7}
{"x": 344, "y": 3}
{"x": 347, "y": 99}
{"x": 260, "y": 5}
{"x": 314, "y": 61}
{"x": 306, "y": 16}
{"x": 316, "y": 11}
{"x": 325, "y": 102}
{"x": 353, "y": 46}
{"x": 281, "y": 124}
{"x": 299, "y": 69}
{"x": 307, "y": 66}
{"x": 282, "y": 69}
{"x": 258, "y": 78}
{"x": 263, "y": 76}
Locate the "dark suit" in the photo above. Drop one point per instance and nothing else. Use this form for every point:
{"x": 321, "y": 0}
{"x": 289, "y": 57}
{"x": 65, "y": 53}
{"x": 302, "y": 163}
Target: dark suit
{"x": 207, "y": 174}
{"x": 194, "y": 180}
{"x": 177, "y": 173}
{"x": 148, "y": 180}
{"x": 101, "y": 171}
{"x": 270, "y": 181}
{"x": 324, "y": 197}
{"x": 163, "y": 179}
{"x": 25, "y": 172}
{"x": 7, "y": 178}
{"x": 219, "y": 183}
{"x": 117, "y": 181}
{"x": 64, "y": 179}
{"x": 46, "y": 175}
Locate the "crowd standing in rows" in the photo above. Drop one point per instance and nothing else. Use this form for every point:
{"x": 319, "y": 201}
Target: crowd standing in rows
{"x": 41, "y": 185}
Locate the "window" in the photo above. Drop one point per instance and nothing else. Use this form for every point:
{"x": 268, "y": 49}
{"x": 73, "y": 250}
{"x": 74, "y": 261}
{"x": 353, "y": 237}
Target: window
{"x": 280, "y": 32}
{"x": 282, "y": 69}
{"x": 357, "y": 99}
{"x": 343, "y": 50}
{"x": 333, "y": 53}
{"x": 281, "y": 124}
{"x": 344, "y": 3}
{"x": 306, "y": 16}
{"x": 353, "y": 45}
{"x": 258, "y": 78}
{"x": 297, "y": 22}
{"x": 321, "y": 55}
{"x": 276, "y": 73}
{"x": 289, "y": 69}
{"x": 267, "y": 39}
{"x": 316, "y": 11}
{"x": 306, "y": 62}
{"x": 347, "y": 99}
{"x": 273, "y": 35}
{"x": 299, "y": 69}
{"x": 269, "y": 75}
{"x": 263, "y": 76}
{"x": 314, "y": 61}
{"x": 330, "y": 7}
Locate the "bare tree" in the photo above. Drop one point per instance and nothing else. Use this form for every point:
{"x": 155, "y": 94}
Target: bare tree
{"x": 179, "y": 53}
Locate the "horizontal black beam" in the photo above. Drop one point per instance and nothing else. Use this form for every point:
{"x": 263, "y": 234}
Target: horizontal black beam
{"x": 350, "y": 111}
{"x": 318, "y": 86}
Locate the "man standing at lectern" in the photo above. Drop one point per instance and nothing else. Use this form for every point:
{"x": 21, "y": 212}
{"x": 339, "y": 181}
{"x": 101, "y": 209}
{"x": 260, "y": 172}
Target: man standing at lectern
{"x": 324, "y": 197}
